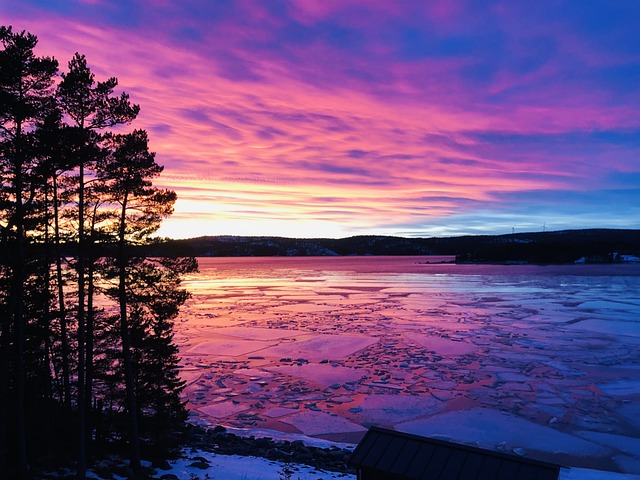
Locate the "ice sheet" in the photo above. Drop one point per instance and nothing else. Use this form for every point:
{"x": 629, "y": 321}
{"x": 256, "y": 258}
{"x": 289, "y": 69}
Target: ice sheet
{"x": 398, "y": 408}
{"x": 493, "y": 429}
{"x": 324, "y": 374}
{"x": 321, "y": 347}
{"x": 223, "y": 345}
{"x": 222, "y": 410}
{"x": 623, "y": 387}
{"x": 443, "y": 346}
{"x": 321, "y": 423}
{"x": 331, "y": 346}
{"x": 623, "y": 443}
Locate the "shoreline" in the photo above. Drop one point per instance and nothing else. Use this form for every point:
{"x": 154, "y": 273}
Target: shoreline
{"x": 220, "y": 441}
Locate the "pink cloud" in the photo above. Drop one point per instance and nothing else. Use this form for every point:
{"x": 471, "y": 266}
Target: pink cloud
{"x": 250, "y": 131}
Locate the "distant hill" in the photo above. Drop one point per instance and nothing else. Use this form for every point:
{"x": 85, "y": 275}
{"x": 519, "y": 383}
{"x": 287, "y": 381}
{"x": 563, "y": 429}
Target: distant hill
{"x": 566, "y": 246}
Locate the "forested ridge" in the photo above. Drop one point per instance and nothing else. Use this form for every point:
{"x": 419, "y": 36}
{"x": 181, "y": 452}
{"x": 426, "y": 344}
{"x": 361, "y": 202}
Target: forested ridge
{"x": 565, "y": 246}
{"x": 87, "y": 358}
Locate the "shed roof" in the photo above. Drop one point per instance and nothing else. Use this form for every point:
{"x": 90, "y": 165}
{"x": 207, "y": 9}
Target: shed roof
{"x": 403, "y": 456}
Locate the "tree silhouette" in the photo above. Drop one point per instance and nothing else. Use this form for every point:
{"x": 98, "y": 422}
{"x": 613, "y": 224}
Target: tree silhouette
{"x": 90, "y": 106}
{"x": 146, "y": 290}
{"x": 75, "y": 203}
{"x": 26, "y": 83}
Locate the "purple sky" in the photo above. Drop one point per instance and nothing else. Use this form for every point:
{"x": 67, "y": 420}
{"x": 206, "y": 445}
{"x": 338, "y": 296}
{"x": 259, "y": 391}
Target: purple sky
{"x": 332, "y": 118}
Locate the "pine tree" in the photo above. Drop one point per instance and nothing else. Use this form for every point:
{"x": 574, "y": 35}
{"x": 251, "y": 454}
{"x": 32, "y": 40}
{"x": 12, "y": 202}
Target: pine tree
{"x": 147, "y": 290}
{"x": 25, "y": 90}
{"x": 91, "y": 107}
{"x": 58, "y": 146}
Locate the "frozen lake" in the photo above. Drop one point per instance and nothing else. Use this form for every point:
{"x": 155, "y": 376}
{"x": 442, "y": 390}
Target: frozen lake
{"x": 541, "y": 361}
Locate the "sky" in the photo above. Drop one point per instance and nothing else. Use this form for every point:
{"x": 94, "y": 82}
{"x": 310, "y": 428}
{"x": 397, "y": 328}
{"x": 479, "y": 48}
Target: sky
{"x": 332, "y": 118}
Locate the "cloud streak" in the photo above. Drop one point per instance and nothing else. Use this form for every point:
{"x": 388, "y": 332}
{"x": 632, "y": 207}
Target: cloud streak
{"x": 335, "y": 118}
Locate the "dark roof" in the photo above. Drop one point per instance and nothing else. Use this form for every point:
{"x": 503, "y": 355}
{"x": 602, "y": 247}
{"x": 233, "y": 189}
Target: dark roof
{"x": 403, "y": 456}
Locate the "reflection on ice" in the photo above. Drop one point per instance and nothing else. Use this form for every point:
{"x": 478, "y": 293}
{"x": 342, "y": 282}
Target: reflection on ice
{"x": 623, "y": 387}
{"x": 322, "y": 423}
{"x": 490, "y": 428}
{"x": 323, "y": 374}
{"x": 542, "y": 360}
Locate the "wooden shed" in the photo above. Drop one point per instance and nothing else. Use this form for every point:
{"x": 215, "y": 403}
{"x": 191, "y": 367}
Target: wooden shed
{"x": 389, "y": 455}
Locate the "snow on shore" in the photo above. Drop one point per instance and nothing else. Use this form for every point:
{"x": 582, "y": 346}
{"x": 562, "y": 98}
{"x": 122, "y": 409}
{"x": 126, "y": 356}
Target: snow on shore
{"x": 198, "y": 465}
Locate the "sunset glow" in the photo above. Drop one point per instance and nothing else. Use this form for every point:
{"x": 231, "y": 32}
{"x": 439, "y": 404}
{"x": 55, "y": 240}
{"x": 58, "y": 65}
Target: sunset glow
{"x": 330, "y": 118}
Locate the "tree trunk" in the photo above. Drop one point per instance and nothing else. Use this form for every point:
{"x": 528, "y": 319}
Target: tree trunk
{"x": 18, "y": 312}
{"x": 4, "y": 389}
{"x": 81, "y": 467}
{"x": 89, "y": 334}
{"x": 64, "y": 340}
{"x": 126, "y": 344}
{"x": 48, "y": 358}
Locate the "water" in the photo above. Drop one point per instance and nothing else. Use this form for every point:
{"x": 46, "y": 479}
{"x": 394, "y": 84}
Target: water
{"x": 538, "y": 360}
